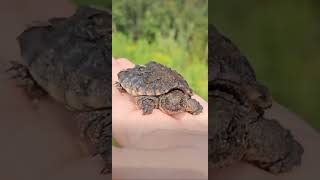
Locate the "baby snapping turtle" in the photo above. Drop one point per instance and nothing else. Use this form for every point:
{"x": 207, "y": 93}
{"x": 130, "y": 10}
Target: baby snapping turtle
{"x": 157, "y": 86}
{"x": 70, "y": 60}
{"x": 238, "y": 129}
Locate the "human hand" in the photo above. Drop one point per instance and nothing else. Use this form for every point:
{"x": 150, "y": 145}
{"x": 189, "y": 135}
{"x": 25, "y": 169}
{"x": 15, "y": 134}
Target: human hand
{"x": 307, "y": 136}
{"x": 158, "y": 141}
{"x": 43, "y": 144}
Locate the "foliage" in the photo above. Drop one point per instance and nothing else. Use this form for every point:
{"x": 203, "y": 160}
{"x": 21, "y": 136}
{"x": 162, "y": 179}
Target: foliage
{"x": 104, "y": 3}
{"x": 280, "y": 38}
{"x": 173, "y": 33}
{"x": 282, "y": 41}
{"x": 170, "y": 32}
{"x": 166, "y": 51}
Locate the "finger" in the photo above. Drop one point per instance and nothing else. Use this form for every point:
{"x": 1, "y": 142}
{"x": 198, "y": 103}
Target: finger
{"x": 129, "y": 126}
{"x": 164, "y": 137}
{"x": 142, "y": 164}
{"x": 132, "y": 129}
{"x": 125, "y": 62}
{"x": 155, "y": 131}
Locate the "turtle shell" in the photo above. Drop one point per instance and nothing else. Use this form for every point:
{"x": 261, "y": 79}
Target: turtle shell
{"x": 70, "y": 58}
{"x": 226, "y": 58}
{"x": 152, "y": 79}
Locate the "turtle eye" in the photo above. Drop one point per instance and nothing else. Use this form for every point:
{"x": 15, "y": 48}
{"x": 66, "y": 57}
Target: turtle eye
{"x": 189, "y": 92}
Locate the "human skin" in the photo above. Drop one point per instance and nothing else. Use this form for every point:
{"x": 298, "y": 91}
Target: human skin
{"x": 173, "y": 147}
{"x": 39, "y": 140}
{"x": 130, "y": 135}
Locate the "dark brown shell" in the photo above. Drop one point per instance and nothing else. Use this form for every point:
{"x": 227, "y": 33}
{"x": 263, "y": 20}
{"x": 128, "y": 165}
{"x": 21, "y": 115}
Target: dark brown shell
{"x": 153, "y": 79}
{"x": 70, "y": 58}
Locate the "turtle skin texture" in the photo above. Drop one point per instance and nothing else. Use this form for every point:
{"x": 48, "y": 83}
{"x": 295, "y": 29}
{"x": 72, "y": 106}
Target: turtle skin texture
{"x": 238, "y": 130}
{"x": 157, "y": 86}
{"x": 69, "y": 59}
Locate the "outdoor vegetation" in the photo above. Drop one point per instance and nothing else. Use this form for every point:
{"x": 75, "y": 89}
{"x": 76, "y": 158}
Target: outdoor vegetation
{"x": 173, "y": 33}
{"x": 280, "y": 38}
{"x": 282, "y": 41}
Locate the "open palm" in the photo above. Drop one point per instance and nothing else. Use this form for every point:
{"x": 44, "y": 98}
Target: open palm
{"x": 130, "y": 125}
{"x": 157, "y": 141}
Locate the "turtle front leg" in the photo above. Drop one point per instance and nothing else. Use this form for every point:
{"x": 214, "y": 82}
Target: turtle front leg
{"x": 21, "y": 73}
{"x": 271, "y": 147}
{"x": 147, "y": 103}
{"x": 96, "y": 126}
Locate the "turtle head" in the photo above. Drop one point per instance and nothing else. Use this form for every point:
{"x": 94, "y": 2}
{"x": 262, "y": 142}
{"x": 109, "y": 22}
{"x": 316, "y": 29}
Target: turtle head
{"x": 259, "y": 95}
{"x": 193, "y": 106}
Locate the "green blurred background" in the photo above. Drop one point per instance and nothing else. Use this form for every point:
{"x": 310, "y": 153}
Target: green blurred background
{"x": 282, "y": 41}
{"x": 280, "y": 38}
{"x": 172, "y": 32}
